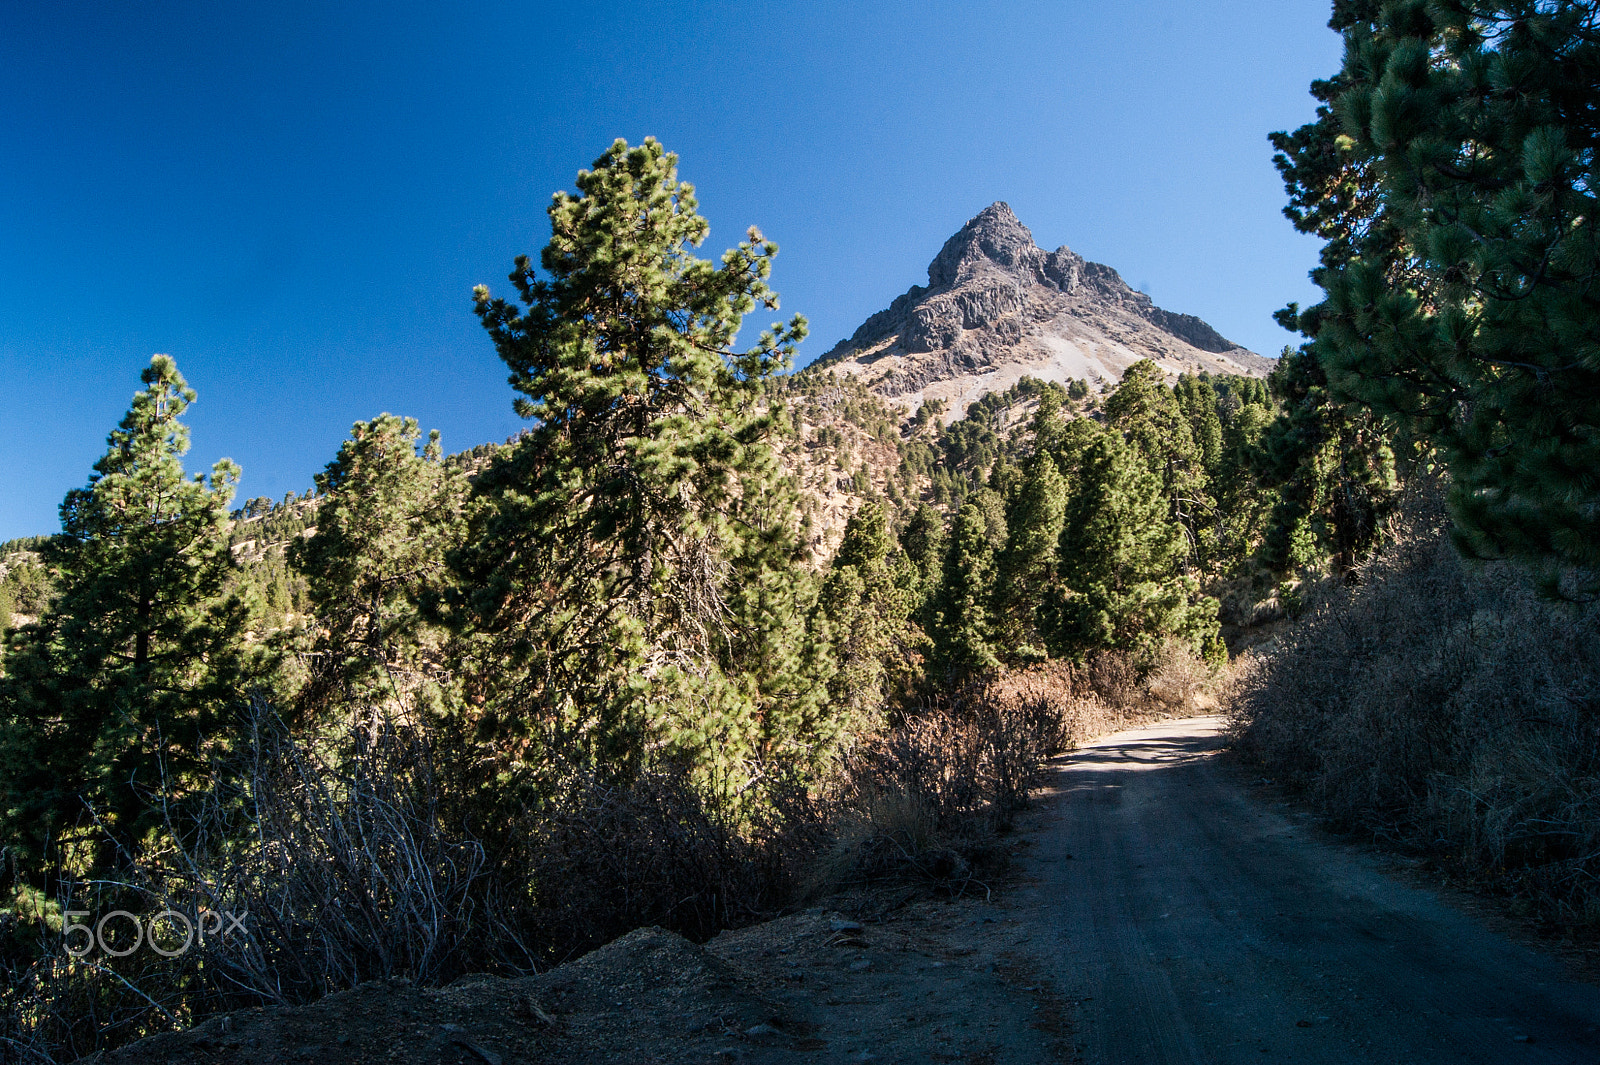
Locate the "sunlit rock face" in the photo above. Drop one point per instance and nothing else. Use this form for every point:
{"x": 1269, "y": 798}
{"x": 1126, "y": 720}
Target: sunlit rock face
{"x": 997, "y": 308}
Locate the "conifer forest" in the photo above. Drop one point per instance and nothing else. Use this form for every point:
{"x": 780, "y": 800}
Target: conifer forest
{"x": 664, "y": 657}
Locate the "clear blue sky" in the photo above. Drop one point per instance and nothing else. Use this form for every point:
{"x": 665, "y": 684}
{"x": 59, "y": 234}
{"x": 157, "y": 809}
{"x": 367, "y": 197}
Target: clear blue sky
{"x": 295, "y": 200}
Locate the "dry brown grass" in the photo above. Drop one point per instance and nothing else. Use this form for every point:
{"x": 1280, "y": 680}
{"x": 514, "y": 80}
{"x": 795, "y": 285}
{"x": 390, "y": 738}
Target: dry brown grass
{"x": 1444, "y": 707}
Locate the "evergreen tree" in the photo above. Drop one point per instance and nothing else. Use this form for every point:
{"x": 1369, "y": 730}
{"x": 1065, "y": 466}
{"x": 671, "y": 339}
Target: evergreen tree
{"x": 923, "y": 541}
{"x": 1245, "y": 409}
{"x": 1048, "y": 423}
{"x": 1331, "y": 469}
{"x": 387, "y": 518}
{"x": 1147, "y": 414}
{"x": 115, "y": 698}
{"x": 1199, "y": 401}
{"x": 963, "y": 636}
{"x": 629, "y": 579}
{"x": 1027, "y": 565}
{"x": 866, "y": 604}
{"x": 1119, "y": 561}
{"x": 1451, "y": 171}
{"x": 1073, "y": 446}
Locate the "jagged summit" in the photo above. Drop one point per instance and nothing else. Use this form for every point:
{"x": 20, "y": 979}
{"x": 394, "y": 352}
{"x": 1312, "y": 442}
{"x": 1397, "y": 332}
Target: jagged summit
{"x": 998, "y": 307}
{"x": 993, "y": 239}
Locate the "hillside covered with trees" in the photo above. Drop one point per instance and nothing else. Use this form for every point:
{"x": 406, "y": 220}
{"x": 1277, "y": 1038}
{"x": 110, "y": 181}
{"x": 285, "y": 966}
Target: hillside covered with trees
{"x": 690, "y": 646}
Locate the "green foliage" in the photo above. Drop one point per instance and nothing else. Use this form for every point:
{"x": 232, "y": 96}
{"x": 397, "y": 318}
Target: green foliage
{"x": 1028, "y": 562}
{"x": 25, "y": 585}
{"x": 865, "y": 607}
{"x": 963, "y": 635}
{"x": 116, "y": 697}
{"x": 1451, "y": 172}
{"x": 1245, "y": 408}
{"x": 1333, "y": 471}
{"x": 1154, "y": 425}
{"x": 923, "y": 541}
{"x": 1119, "y": 558}
{"x": 1199, "y": 401}
{"x": 387, "y": 518}
{"x": 628, "y": 580}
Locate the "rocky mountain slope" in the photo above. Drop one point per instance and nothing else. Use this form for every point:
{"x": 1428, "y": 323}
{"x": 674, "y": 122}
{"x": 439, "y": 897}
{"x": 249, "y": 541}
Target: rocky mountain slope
{"x": 997, "y": 308}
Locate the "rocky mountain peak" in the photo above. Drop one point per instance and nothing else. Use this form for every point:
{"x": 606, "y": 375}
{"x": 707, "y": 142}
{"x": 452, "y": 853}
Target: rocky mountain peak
{"x": 998, "y": 307}
{"x": 994, "y": 239}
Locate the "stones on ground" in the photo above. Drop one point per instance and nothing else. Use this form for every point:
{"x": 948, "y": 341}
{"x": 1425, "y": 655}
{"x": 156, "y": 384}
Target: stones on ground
{"x": 846, "y": 933}
{"x": 527, "y": 1008}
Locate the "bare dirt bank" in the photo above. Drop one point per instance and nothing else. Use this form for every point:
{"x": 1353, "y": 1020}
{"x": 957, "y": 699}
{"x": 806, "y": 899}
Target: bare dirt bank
{"x": 933, "y": 981}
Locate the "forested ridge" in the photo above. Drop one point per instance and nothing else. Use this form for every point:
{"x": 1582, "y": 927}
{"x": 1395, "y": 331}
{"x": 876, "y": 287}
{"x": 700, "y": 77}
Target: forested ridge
{"x": 710, "y": 636}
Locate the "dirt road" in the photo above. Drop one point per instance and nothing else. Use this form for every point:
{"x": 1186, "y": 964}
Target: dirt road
{"x": 1193, "y": 922}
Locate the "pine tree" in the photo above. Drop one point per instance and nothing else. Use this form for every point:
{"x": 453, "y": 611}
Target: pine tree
{"x": 1048, "y": 423}
{"x": 1119, "y": 558}
{"x": 963, "y": 632}
{"x": 1451, "y": 171}
{"x": 923, "y": 541}
{"x": 1331, "y": 471}
{"x": 1147, "y": 414}
{"x": 629, "y": 579}
{"x": 1245, "y": 409}
{"x": 1026, "y": 568}
{"x": 116, "y": 697}
{"x": 386, "y": 520}
{"x": 865, "y": 606}
{"x": 1198, "y": 401}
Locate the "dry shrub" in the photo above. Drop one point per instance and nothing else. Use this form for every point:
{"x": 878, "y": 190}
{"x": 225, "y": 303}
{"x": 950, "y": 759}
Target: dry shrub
{"x": 355, "y": 860}
{"x": 602, "y": 858}
{"x": 1443, "y": 706}
{"x": 926, "y": 798}
{"x": 918, "y": 800}
{"x": 338, "y": 863}
{"x": 57, "y": 1008}
{"x": 353, "y": 871}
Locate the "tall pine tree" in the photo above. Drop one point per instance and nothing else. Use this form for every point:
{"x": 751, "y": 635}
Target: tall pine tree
{"x": 963, "y": 624}
{"x": 1150, "y": 419}
{"x": 1119, "y": 559}
{"x": 117, "y": 696}
{"x": 1451, "y": 171}
{"x": 1026, "y": 567}
{"x": 628, "y": 583}
{"x": 866, "y": 606}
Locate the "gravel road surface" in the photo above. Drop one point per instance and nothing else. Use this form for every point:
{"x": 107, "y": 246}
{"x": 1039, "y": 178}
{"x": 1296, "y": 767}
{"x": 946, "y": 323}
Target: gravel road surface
{"x": 1191, "y": 921}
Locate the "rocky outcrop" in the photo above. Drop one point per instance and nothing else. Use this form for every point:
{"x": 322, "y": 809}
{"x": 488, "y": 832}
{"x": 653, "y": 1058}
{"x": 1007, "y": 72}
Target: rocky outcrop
{"x": 997, "y": 307}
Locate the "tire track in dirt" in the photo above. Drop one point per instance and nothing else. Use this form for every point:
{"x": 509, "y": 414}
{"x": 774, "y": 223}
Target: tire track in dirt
{"x": 1193, "y": 922}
